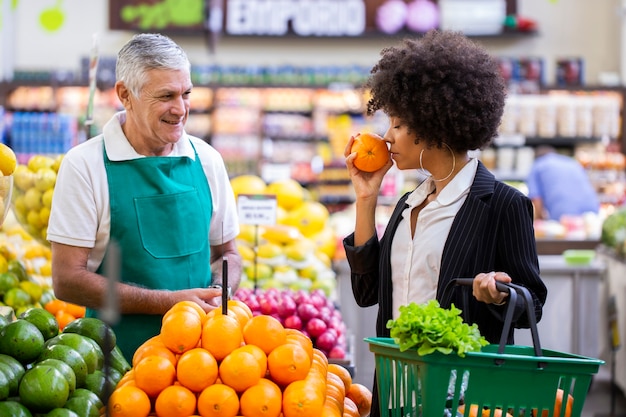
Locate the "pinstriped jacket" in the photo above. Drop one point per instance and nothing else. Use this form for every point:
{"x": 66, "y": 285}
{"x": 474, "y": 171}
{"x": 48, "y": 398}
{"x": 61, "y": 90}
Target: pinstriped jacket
{"x": 493, "y": 231}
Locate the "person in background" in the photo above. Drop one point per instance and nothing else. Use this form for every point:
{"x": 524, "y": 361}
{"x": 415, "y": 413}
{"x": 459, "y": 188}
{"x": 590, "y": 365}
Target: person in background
{"x": 161, "y": 195}
{"x": 559, "y": 185}
{"x": 444, "y": 97}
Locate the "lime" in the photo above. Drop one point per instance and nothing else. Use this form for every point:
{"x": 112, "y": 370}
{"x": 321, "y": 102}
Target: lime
{"x": 5, "y": 385}
{"x": 82, "y": 406}
{"x": 69, "y": 356}
{"x": 22, "y": 340}
{"x": 3, "y": 321}
{"x": 47, "y": 296}
{"x": 63, "y": 368}
{"x": 113, "y": 376}
{"x": 33, "y": 289}
{"x": 44, "y": 320}
{"x": 11, "y": 366}
{"x": 18, "y": 269}
{"x": 61, "y": 412}
{"x": 17, "y": 298}
{"x": 43, "y": 388}
{"x": 8, "y": 280}
{"x": 99, "y": 353}
{"x": 95, "y": 329}
{"x": 81, "y": 344}
{"x": 118, "y": 361}
{"x": 96, "y": 383}
{"x": 14, "y": 409}
{"x": 91, "y": 396}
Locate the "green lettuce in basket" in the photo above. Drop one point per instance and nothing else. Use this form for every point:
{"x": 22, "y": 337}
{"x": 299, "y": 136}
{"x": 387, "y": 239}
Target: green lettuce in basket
{"x": 431, "y": 328}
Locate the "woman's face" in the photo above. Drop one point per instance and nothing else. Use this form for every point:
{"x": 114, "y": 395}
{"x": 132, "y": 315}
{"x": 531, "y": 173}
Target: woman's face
{"x": 403, "y": 149}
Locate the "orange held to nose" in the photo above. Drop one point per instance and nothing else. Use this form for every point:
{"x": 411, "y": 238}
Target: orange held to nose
{"x": 371, "y": 152}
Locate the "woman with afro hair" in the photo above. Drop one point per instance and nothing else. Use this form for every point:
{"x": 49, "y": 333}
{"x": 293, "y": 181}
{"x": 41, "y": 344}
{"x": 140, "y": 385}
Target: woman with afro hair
{"x": 444, "y": 97}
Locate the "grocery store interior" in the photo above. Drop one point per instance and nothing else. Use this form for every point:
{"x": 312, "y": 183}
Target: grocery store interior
{"x": 279, "y": 101}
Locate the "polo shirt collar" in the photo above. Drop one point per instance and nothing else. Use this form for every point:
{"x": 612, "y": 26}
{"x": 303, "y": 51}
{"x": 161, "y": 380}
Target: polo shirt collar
{"x": 119, "y": 148}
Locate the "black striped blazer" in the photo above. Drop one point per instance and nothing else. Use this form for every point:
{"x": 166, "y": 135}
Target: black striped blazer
{"x": 493, "y": 231}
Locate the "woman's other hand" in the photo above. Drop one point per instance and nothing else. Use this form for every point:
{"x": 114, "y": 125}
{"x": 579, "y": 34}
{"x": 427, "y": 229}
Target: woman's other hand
{"x": 484, "y": 287}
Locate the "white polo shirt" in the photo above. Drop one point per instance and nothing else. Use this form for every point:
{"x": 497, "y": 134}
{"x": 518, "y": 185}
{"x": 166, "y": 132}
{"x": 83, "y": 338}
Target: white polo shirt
{"x": 80, "y": 213}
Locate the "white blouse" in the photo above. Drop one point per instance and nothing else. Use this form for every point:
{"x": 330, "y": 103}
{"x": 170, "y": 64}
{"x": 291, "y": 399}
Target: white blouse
{"x": 416, "y": 262}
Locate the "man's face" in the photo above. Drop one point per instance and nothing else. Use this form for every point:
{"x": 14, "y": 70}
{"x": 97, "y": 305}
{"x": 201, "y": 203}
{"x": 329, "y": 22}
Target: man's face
{"x": 160, "y": 112}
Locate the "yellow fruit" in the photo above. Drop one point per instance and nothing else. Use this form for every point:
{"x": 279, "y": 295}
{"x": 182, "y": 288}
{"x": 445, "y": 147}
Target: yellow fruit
{"x": 281, "y": 234}
{"x": 269, "y": 250}
{"x": 36, "y": 162}
{"x": 310, "y": 217}
{"x": 289, "y": 193}
{"x": 24, "y": 177}
{"x": 32, "y": 199}
{"x": 246, "y": 252}
{"x": 57, "y": 162}
{"x": 4, "y": 264}
{"x": 46, "y": 198}
{"x": 45, "y": 178}
{"x": 8, "y": 161}
{"x": 247, "y": 184}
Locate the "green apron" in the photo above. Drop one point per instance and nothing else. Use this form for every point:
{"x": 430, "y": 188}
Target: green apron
{"x": 160, "y": 215}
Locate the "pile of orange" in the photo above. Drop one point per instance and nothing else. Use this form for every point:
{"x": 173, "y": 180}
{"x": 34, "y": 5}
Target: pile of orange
{"x": 233, "y": 365}
{"x": 64, "y": 312}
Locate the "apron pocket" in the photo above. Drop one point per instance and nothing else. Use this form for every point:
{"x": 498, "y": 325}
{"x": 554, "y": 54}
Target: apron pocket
{"x": 172, "y": 225}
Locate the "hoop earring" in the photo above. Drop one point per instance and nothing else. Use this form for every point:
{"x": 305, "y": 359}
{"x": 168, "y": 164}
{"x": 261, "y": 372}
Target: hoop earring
{"x": 453, "y": 164}
{"x": 422, "y": 166}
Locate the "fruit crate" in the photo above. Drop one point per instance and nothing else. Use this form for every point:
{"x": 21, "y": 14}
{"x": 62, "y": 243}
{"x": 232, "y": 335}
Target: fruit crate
{"x": 507, "y": 380}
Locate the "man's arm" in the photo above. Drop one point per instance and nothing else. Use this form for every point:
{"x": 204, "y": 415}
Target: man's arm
{"x": 73, "y": 282}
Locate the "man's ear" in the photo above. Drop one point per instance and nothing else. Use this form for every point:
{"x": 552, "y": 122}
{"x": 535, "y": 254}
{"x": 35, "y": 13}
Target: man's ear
{"x": 123, "y": 94}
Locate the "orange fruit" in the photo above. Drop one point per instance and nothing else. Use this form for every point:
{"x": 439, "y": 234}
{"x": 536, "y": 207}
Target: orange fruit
{"x": 349, "y": 408}
{"x": 153, "y": 374}
{"x": 301, "y": 399}
{"x": 234, "y": 311}
{"x": 181, "y": 330}
{"x": 242, "y": 305}
{"x": 371, "y": 152}
{"x": 64, "y": 318}
{"x": 260, "y": 356}
{"x": 196, "y": 369}
{"x": 342, "y": 373}
{"x": 151, "y": 349}
{"x": 558, "y": 403}
{"x": 297, "y": 337}
{"x": 331, "y": 410}
{"x": 221, "y": 335}
{"x": 240, "y": 370}
{"x": 288, "y": 363}
{"x": 263, "y": 399}
{"x": 265, "y": 332}
{"x": 334, "y": 380}
{"x": 218, "y": 400}
{"x": 187, "y": 304}
{"x": 175, "y": 401}
{"x": 128, "y": 401}
{"x": 362, "y": 397}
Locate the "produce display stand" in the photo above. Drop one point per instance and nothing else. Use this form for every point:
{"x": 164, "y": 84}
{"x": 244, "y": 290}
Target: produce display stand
{"x": 515, "y": 379}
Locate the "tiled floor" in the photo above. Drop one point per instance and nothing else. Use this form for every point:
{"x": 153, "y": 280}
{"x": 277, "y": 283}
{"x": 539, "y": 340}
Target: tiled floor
{"x": 599, "y": 401}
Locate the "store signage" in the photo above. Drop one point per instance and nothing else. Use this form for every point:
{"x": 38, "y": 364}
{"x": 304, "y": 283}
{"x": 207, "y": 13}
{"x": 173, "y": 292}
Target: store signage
{"x": 302, "y": 17}
{"x": 257, "y": 209}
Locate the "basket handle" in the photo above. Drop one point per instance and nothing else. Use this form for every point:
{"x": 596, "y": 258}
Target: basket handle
{"x": 513, "y": 290}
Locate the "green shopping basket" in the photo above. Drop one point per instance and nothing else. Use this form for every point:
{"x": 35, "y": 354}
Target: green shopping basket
{"x": 500, "y": 380}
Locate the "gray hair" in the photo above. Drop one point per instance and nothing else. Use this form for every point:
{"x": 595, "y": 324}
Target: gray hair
{"x": 144, "y": 52}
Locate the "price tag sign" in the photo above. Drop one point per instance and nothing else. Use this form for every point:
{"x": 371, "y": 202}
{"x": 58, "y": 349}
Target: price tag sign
{"x": 257, "y": 209}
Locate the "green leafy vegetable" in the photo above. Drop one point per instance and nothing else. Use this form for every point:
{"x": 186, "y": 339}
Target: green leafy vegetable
{"x": 431, "y": 328}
